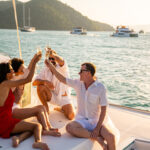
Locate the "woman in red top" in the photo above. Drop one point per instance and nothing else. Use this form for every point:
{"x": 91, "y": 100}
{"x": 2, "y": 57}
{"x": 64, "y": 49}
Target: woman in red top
{"x": 8, "y": 124}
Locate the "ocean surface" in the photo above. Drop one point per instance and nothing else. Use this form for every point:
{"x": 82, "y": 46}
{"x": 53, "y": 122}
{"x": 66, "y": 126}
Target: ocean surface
{"x": 123, "y": 64}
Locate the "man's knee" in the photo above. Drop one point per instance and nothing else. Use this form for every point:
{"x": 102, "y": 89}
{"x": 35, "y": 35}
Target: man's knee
{"x": 44, "y": 93}
{"x": 68, "y": 110}
{"x": 71, "y": 115}
{"x": 72, "y": 126}
{"x": 40, "y": 88}
{"x": 69, "y": 128}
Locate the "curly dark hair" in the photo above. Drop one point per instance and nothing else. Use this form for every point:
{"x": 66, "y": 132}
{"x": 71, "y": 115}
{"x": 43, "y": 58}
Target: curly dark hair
{"x": 16, "y": 63}
{"x": 90, "y": 67}
{"x": 4, "y": 69}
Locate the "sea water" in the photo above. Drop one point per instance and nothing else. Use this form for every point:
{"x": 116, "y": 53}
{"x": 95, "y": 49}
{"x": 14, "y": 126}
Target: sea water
{"x": 123, "y": 64}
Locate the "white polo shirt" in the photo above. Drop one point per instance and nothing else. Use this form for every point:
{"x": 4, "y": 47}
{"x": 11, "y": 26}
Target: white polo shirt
{"x": 90, "y": 100}
{"x": 59, "y": 88}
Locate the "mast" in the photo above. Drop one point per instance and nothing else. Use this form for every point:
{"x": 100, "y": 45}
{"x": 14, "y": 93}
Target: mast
{"x": 29, "y": 17}
{"x": 23, "y": 15}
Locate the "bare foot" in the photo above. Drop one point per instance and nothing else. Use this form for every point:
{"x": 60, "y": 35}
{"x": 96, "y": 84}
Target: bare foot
{"x": 51, "y": 133}
{"x": 53, "y": 129}
{"x": 40, "y": 145}
{"x": 15, "y": 141}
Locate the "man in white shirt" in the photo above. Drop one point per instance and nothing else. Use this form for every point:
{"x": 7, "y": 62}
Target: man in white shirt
{"x": 50, "y": 89}
{"x": 91, "y": 107}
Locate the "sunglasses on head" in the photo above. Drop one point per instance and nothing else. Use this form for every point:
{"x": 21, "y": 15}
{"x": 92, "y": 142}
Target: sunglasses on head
{"x": 51, "y": 58}
{"x": 82, "y": 70}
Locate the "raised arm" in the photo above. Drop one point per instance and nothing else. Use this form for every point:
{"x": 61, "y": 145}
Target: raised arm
{"x": 10, "y": 83}
{"x": 59, "y": 76}
{"x": 31, "y": 62}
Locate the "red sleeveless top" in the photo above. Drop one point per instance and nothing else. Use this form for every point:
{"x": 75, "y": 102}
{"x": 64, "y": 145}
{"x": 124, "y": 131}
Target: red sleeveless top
{"x": 7, "y": 122}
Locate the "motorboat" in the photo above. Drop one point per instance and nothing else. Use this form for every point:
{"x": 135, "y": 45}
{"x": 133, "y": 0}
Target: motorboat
{"x": 79, "y": 31}
{"x": 123, "y": 31}
{"x": 141, "y": 31}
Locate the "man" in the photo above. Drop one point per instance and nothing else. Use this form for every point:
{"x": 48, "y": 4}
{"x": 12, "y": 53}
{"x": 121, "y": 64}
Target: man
{"x": 91, "y": 106}
{"x": 50, "y": 89}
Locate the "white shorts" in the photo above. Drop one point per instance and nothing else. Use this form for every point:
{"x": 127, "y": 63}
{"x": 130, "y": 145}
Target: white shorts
{"x": 60, "y": 101}
{"x": 86, "y": 124}
{"x": 90, "y": 126}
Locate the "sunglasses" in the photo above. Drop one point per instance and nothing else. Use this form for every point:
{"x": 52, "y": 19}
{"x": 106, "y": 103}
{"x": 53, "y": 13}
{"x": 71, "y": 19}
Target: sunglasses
{"x": 82, "y": 70}
{"x": 51, "y": 58}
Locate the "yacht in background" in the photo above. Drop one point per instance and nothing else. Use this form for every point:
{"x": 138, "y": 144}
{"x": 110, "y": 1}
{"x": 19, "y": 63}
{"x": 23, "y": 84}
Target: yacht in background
{"x": 123, "y": 31}
{"x": 141, "y": 32}
{"x": 26, "y": 28}
{"x": 79, "y": 31}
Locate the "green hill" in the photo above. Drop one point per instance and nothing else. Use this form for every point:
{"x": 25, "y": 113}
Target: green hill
{"x": 47, "y": 15}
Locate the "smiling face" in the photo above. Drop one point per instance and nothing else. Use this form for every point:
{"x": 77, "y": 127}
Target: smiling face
{"x": 52, "y": 60}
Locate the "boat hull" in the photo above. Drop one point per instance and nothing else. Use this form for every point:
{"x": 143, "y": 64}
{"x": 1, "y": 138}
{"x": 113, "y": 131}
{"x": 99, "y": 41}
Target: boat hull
{"x": 27, "y": 29}
{"x": 79, "y": 33}
{"x": 125, "y": 35}
{"x": 138, "y": 144}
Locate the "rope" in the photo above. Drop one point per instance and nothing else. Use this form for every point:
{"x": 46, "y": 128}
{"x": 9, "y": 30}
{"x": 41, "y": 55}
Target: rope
{"x": 16, "y": 20}
{"x": 15, "y": 13}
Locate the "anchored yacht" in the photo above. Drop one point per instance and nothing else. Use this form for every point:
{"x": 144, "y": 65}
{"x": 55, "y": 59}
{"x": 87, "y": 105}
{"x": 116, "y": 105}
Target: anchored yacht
{"x": 79, "y": 30}
{"x": 27, "y": 28}
{"x": 123, "y": 31}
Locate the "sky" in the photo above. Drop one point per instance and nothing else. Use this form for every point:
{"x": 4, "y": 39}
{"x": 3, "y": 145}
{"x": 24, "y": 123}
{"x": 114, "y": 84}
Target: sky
{"x": 113, "y": 12}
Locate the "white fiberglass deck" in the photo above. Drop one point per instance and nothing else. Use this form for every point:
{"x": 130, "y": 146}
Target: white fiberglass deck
{"x": 132, "y": 124}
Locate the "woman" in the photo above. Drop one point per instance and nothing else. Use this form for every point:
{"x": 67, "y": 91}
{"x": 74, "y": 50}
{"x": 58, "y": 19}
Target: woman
{"x": 23, "y": 113}
{"x": 8, "y": 124}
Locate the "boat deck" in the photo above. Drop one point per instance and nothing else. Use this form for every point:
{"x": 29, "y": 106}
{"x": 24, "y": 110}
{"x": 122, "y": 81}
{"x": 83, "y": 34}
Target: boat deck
{"x": 131, "y": 124}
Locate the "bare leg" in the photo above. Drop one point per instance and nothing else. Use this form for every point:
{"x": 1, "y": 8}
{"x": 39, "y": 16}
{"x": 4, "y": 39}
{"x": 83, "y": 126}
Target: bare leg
{"x": 100, "y": 140}
{"x": 47, "y": 120}
{"x": 109, "y": 137}
{"x": 75, "y": 129}
{"x": 51, "y": 133}
{"x": 37, "y": 111}
{"x": 68, "y": 111}
{"x": 44, "y": 95}
{"x": 16, "y": 140}
{"x": 36, "y": 128}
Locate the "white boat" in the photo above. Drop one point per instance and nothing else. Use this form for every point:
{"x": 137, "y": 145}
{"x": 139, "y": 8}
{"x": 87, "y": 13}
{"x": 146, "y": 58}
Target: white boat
{"x": 26, "y": 28}
{"x": 123, "y": 31}
{"x": 138, "y": 144}
{"x": 79, "y": 30}
{"x": 141, "y": 32}
{"x": 132, "y": 124}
